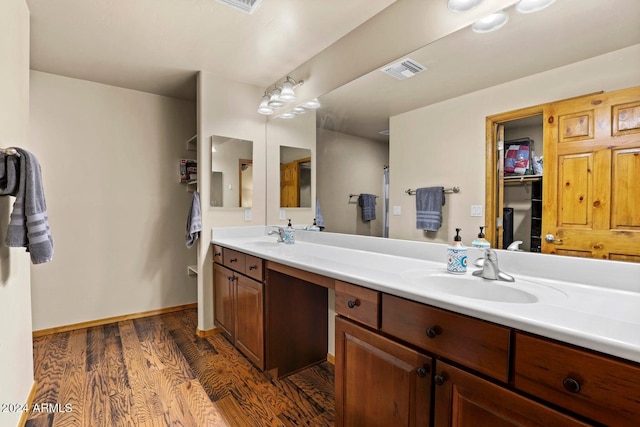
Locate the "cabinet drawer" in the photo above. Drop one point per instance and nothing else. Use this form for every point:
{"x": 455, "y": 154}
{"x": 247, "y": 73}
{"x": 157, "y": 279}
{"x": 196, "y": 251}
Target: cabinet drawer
{"x": 358, "y": 303}
{"x": 601, "y": 388}
{"x": 254, "y": 267}
{"x": 217, "y": 254}
{"x": 234, "y": 260}
{"x": 475, "y": 343}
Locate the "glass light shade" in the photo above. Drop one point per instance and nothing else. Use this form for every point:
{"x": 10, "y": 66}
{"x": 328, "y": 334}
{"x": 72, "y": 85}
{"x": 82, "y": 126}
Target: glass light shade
{"x": 287, "y": 94}
{"x": 264, "y": 106}
{"x": 530, "y": 6}
{"x": 298, "y": 110}
{"x": 490, "y": 23}
{"x": 287, "y": 115}
{"x": 314, "y": 103}
{"x": 275, "y": 101}
{"x": 462, "y": 5}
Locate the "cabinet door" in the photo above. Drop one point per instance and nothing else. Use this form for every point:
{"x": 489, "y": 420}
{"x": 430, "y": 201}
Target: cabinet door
{"x": 250, "y": 319}
{"x": 462, "y": 399}
{"x": 378, "y": 381}
{"x": 223, "y": 297}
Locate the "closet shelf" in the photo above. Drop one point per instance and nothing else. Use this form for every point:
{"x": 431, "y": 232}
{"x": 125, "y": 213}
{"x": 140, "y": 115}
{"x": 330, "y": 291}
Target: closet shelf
{"x": 522, "y": 178}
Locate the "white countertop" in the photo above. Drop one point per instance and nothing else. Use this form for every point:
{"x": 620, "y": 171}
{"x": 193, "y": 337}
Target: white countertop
{"x": 600, "y": 310}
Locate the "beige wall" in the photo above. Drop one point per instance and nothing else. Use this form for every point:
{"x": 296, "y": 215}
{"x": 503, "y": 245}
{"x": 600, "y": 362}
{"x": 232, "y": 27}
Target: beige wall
{"x": 444, "y": 144}
{"x": 349, "y": 165}
{"x": 117, "y": 212}
{"x": 226, "y": 108}
{"x": 16, "y": 359}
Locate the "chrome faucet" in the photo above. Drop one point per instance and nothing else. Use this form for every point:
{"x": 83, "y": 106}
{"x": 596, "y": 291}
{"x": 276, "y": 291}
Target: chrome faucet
{"x": 490, "y": 268}
{"x": 279, "y": 231}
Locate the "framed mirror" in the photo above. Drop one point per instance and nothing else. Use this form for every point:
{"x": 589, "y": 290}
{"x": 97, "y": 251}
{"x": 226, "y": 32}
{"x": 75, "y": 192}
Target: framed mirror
{"x": 231, "y": 172}
{"x": 295, "y": 177}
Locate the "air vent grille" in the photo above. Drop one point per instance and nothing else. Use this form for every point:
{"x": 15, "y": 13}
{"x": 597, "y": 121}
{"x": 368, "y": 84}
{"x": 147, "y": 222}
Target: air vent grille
{"x": 404, "y": 69}
{"x": 247, "y": 6}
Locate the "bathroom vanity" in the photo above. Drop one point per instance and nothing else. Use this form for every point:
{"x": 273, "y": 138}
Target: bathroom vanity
{"x": 415, "y": 346}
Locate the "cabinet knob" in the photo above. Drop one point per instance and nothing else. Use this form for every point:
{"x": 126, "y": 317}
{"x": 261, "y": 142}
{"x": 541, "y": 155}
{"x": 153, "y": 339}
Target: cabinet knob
{"x": 423, "y": 371}
{"x": 217, "y": 253}
{"x": 253, "y": 267}
{"x": 233, "y": 260}
{"x": 433, "y": 332}
{"x": 353, "y": 303}
{"x": 439, "y": 379}
{"x": 230, "y": 278}
{"x": 571, "y": 385}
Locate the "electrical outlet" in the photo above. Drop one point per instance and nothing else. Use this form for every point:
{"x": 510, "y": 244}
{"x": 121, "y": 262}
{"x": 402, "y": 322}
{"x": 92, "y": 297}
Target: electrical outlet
{"x": 397, "y": 210}
{"x": 247, "y": 214}
{"x": 476, "y": 210}
{"x": 283, "y": 214}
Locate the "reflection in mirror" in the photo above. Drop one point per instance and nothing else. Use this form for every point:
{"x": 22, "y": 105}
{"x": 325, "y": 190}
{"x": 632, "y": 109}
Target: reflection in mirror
{"x": 295, "y": 177}
{"x": 231, "y": 172}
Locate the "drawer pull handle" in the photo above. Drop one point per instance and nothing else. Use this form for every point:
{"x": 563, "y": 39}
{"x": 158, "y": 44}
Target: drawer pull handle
{"x": 433, "y": 332}
{"x": 253, "y": 267}
{"x": 230, "y": 278}
{"x": 353, "y": 303}
{"x": 233, "y": 260}
{"x": 439, "y": 379}
{"x": 571, "y": 385}
{"x": 217, "y": 253}
{"x": 423, "y": 371}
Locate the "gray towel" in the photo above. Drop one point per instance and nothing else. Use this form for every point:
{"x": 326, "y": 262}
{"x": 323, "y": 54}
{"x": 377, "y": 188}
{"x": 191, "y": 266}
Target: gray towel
{"x": 367, "y": 203}
{"x": 429, "y": 202}
{"x": 194, "y": 221}
{"x": 319, "y": 217}
{"x": 9, "y": 174}
{"x": 29, "y": 224}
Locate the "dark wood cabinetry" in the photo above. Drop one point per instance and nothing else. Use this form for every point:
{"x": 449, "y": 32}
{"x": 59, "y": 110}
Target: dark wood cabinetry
{"x": 382, "y": 383}
{"x": 463, "y": 399}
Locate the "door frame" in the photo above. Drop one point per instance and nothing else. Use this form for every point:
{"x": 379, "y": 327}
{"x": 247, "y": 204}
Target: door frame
{"x": 494, "y": 180}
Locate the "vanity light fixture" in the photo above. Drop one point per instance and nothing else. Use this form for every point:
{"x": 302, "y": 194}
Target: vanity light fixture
{"x": 275, "y": 102}
{"x": 491, "y": 22}
{"x": 288, "y": 115}
{"x": 287, "y": 94}
{"x": 264, "y": 105}
{"x": 530, "y": 6}
{"x": 314, "y": 103}
{"x": 462, "y": 5}
{"x": 299, "y": 110}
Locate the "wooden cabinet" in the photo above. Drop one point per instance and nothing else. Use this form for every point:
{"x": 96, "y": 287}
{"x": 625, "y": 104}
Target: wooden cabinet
{"x": 381, "y": 383}
{"x": 358, "y": 303}
{"x": 238, "y": 302}
{"x": 463, "y": 399}
{"x": 598, "y": 387}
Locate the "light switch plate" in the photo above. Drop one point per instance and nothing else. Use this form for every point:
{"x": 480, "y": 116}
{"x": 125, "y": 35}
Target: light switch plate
{"x": 397, "y": 210}
{"x": 247, "y": 214}
{"x": 283, "y": 214}
{"x": 476, "y": 210}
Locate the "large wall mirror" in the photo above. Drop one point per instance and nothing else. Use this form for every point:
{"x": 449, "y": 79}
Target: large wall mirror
{"x": 231, "y": 172}
{"x": 295, "y": 177}
{"x": 438, "y": 140}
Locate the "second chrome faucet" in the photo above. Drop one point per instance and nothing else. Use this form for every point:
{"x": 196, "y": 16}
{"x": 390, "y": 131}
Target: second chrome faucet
{"x": 490, "y": 268}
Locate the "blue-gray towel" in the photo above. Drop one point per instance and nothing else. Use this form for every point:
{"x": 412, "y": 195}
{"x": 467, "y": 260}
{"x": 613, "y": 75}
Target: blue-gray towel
{"x": 319, "y": 217}
{"x": 9, "y": 174}
{"x": 429, "y": 202}
{"x": 367, "y": 203}
{"x": 29, "y": 223}
{"x": 194, "y": 221}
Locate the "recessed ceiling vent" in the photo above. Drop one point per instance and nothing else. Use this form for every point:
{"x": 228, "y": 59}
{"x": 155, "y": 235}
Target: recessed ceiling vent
{"x": 404, "y": 69}
{"x": 247, "y": 6}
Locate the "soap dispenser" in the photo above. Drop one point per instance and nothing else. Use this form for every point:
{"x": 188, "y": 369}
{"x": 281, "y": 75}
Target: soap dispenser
{"x": 289, "y": 234}
{"x": 481, "y": 242}
{"x": 457, "y": 255}
{"x": 314, "y": 227}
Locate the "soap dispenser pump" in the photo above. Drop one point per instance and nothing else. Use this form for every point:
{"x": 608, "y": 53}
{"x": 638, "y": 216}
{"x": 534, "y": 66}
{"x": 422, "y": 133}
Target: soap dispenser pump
{"x": 314, "y": 227}
{"x": 481, "y": 242}
{"x": 289, "y": 234}
{"x": 457, "y": 255}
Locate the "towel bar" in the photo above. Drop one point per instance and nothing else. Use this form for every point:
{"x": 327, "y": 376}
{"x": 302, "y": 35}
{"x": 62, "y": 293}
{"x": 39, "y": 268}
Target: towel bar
{"x": 358, "y": 195}
{"x": 10, "y": 151}
{"x": 446, "y": 190}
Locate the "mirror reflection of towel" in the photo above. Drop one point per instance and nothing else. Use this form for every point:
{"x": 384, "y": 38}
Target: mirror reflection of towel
{"x": 429, "y": 202}
{"x": 367, "y": 203}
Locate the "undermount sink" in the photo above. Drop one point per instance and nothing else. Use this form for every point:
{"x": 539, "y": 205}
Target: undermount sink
{"x": 472, "y": 287}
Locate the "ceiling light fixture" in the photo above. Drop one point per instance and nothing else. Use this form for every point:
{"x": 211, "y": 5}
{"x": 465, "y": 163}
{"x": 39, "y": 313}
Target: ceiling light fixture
{"x": 462, "y": 5}
{"x": 490, "y": 23}
{"x": 530, "y": 6}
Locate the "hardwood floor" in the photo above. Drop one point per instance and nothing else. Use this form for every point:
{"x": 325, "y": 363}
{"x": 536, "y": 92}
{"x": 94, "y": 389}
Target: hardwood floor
{"x": 156, "y": 371}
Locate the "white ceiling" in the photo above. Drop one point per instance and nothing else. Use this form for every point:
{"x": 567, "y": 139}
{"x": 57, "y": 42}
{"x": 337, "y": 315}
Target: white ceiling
{"x": 464, "y": 62}
{"x": 158, "y": 46}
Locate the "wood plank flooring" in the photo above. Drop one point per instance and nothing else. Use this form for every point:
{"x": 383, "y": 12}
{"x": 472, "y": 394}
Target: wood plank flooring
{"x": 156, "y": 371}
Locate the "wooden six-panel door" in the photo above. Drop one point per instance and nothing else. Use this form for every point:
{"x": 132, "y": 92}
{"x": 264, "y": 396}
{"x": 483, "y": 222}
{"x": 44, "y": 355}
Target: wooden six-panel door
{"x": 591, "y": 190}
